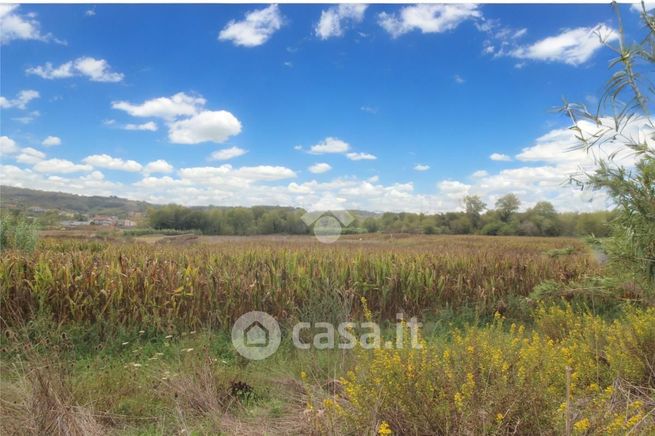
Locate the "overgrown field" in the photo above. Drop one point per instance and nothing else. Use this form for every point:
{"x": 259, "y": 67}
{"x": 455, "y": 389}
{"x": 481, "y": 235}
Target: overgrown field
{"x": 128, "y": 337}
{"x": 209, "y": 285}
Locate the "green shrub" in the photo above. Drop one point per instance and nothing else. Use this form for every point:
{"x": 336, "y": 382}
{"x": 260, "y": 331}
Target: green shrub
{"x": 18, "y": 233}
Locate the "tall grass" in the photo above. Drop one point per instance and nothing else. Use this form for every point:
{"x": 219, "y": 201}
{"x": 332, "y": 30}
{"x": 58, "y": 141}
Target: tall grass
{"x": 164, "y": 287}
{"x": 17, "y": 233}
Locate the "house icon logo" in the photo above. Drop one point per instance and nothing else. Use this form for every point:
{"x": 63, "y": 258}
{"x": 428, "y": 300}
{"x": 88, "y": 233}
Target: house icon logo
{"x": 256, "y": 335}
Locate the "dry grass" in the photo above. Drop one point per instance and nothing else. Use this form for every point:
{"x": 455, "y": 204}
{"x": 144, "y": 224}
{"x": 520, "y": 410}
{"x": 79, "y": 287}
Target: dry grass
{"x": 40, "y": 401}
{"x": 210, "y": 285}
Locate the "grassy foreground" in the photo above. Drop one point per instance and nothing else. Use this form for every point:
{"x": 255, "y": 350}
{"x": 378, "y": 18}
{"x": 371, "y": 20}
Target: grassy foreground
{"x": 132, "y": 338}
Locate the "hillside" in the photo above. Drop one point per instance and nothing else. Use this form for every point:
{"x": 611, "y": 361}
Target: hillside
{"x": 22, "y": 198}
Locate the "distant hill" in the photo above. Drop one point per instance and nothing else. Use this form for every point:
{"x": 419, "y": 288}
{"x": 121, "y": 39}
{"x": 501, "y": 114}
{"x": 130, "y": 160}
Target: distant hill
{"x": 25, "y": 198}
{"x": 22, "y": 198}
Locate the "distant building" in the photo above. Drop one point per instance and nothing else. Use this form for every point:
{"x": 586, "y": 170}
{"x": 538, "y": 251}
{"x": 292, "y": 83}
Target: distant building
{"x": 69, "y": 223}
{"x": 36, "y": 209}
{"x": 126, "y": 223}
{"x": 104, "y": 220}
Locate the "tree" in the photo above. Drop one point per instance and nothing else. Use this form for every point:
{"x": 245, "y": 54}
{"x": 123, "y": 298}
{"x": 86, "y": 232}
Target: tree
{"x": 506, "y": 206}
{"x": 629, "y": 129}
{"x": 474, "y": 207}
{"x": 544, "y": 217}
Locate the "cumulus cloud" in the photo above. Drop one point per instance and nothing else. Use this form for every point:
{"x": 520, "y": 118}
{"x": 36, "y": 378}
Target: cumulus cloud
{"x": 214, "y": 126}
{"x": 51, "y": 141}
{"x": 255, "y": 29}
{"x": 88, "y": 184}
{"x": 480, "y": 173}
{"x": 30, "y": 156}
{"x": 158, "y": 166}
{"x": 571, "y": 46}
{"x": 60, "y": 166}
{"x": 330, "y": 145}
{"x": 8, "y": 145}
{"x": 112, "y": 163}
{"x": 168, "y": 108}
{"x": 227, "y": 153}
{"x": 500, "y": 157}
{"x": 21, "y": 101}
{"x": 334, "y": 19}
{"x": 428, "y": 18}
{"x": 360, "y": 156}
{"x": 226, "y": 175}
{"x": 421, "y": 167}
{"x": 150, "y": 126}
{"x": 15, "y": 26}
{"x": 188, "y": 121}
{"x": 320, "y": 168}
{"x": 562, "y": 147}
{"x": 96, "y": 70}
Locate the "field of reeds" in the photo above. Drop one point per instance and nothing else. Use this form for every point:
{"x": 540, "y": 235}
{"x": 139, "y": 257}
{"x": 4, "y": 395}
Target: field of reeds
{"x": 131, "y": 336}
{"x": 210, "y": 285}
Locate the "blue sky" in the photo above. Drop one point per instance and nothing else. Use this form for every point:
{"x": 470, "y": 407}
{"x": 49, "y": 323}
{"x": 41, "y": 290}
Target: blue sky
{"x": 384, "y": 107}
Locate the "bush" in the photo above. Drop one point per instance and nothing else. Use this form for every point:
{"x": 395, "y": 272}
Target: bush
{"x": 18, "y": 233}
{"x": 502, "y": 380}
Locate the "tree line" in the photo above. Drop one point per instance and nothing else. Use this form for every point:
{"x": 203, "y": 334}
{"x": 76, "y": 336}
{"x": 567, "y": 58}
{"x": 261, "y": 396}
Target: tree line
{"x": 503, "y": 219}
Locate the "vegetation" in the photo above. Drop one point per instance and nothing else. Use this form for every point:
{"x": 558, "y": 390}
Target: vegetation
{"x": 23, "y": 199}
{"x": 629, "y": 96}
{"x": 521, "y": 335}
{"x": 499, "y": 379}
{"x": 157, "y": 287}
{"x": 132, "y": 337}
{"x": 540, "y": 220}
{"x": 17, "y": 233}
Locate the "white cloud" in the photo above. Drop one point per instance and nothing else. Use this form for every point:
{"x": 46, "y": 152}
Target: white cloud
{"x": 571, "y": 46}
{"x": 51, "y": 141}
{"x": 334, "y": 19}
{"x": 60, "y": 166}
{"x": 112, "y": 163}
{"x": 226, "y": 175}
{"x": 8, "y": 145}
{"x": 561, "y": 147}
{"x": 360, "y": 156}
{"x": 21, "y": 100}
{"x": 14, "y": 26}
{"x": 89, "y": 184}
{"x": 421, "y": 167}
{"x": 500, "y": 157}
{"x": 330, "y": 145}
{"x": 214, "y": 126}
{"x": 227, "y": 153}
{"x": 480, "y": 173}
{"x": 453, "y": 188}
{"x": 96, "y": 70}
{"x": 168, "y": 108}
{"x": 150, "y": 126}
{"x": 30, "y": 156}
{"x": 90, "y": 12}
{"x": 459, "y": 79}
{"x": 188, "y": 122}
{"x": 158, "y": 166}
{"x": 255, "y": 29}
{"x": 427, "y": 18}
{"x": 320, "y": 168}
